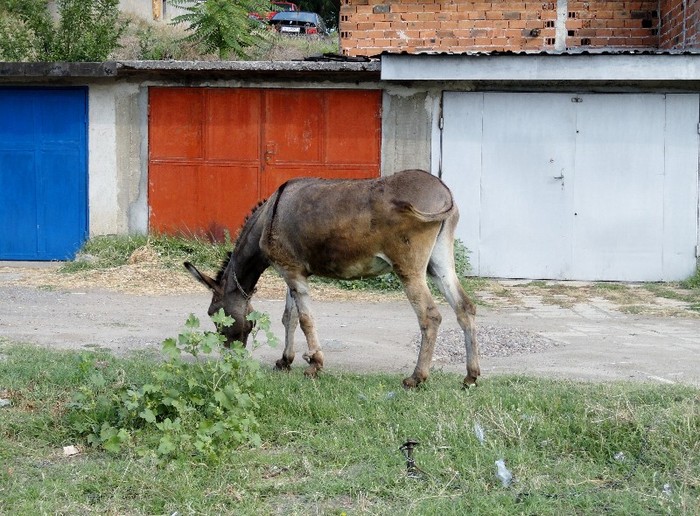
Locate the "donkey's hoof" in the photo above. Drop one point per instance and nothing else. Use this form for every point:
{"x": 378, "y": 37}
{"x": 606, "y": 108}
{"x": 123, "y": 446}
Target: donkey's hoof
{"x": 411, "y": 382}
{"x": 312, "y": 371}
{"x": 469, "y": 382}
{"x": 283, "y": 365}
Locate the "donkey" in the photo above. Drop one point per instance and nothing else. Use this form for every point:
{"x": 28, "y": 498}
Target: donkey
{"x": 348, "y": 229}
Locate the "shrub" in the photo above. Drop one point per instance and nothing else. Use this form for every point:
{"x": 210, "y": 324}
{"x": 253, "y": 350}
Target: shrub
{"x": 194, "y": 405}
{"x": 87, "y": 30}
{"x": 25, "y": 30}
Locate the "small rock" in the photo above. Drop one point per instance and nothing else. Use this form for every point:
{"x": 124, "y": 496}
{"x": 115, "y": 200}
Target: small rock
{"x": 69, "y": 451}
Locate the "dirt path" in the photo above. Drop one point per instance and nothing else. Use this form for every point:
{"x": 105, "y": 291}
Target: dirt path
{"x": 573, "y": 331}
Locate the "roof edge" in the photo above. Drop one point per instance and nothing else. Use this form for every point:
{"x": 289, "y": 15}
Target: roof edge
{"x": 541, "y": 67}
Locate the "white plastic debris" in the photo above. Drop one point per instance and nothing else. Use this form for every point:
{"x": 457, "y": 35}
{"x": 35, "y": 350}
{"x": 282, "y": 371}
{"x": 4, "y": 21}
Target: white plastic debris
{"x": 620, "y": 456}
{"x": 503, "y": 473}
{"x": 479, "y": 432}
{"x": 69, "y": 451}
{"x": 4, "y": 402}
{"x": 667, "y": 490}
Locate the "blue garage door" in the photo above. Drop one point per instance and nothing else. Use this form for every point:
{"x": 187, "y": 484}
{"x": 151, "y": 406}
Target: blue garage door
{"x": 43, "y": 173}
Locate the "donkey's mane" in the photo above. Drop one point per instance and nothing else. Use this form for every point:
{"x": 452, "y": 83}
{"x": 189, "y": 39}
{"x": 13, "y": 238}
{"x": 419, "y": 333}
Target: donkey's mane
{"x": 225, "y": 262}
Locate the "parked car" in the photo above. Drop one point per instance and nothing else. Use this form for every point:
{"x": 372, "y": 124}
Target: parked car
{"x": 298, "y": 22}
{"x": 275, "y": 7}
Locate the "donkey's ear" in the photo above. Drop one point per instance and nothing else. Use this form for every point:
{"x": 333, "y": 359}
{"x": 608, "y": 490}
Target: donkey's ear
{"x": 203, "y": 278}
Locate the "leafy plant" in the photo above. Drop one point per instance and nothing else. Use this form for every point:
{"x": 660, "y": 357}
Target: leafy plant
{"x": 25, "y": 30}
{"x": 88, "y": 30}
{"x": 193, "y": 405}
{"x": 223, "y": 26}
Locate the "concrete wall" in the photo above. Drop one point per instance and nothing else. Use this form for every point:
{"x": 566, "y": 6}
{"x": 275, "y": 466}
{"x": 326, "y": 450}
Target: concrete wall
{"x": 117, "y": 190}
{"x": 151, "y": 10}
{"x": 407, "y": 121}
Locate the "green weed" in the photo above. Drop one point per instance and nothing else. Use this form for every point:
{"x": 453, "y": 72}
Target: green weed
{"x": 693, "y": 282}
{"x": 197, "y": 406}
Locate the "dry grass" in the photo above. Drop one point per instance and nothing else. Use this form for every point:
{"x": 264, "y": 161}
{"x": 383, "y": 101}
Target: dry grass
{"x": 146, "y": 276}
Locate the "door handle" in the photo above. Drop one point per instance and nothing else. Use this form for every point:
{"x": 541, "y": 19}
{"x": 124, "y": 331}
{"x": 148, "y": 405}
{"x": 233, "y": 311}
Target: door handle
{"x": 270, "y": 149}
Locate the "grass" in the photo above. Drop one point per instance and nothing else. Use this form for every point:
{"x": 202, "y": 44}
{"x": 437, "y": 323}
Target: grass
{"x": 331, "y": 446}
{"x": 110, "y": 251}
{"x": 629, "y": 298}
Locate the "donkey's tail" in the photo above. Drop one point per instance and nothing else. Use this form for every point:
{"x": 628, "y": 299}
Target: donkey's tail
{"x": 407, "y": 207}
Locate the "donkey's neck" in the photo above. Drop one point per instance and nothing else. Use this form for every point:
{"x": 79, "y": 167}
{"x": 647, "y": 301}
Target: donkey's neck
{"x": 248, "y": 261}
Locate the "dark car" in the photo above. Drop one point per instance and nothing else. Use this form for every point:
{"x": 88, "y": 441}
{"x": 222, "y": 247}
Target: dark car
{"x": 298, "y": 22}
{"x": 275, "y": 7}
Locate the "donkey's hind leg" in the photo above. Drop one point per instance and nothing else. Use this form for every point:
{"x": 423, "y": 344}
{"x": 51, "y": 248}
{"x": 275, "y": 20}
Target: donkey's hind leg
{"x": 442, "y": 269}
{"x": 290, "y": 319}
{"x": 299, "y": 292}
{"x": 429, "y": 319}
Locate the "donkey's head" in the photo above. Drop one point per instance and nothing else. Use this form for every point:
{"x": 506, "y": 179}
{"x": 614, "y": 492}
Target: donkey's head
{"x": 232, "y": 299}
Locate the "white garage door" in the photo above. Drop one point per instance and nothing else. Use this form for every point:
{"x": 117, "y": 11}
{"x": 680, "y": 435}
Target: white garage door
{"x": 565, "y": 186}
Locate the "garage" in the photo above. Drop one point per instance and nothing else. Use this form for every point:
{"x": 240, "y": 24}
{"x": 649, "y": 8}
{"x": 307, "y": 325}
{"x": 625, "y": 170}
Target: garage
{"x": 216, "y": 152}
{"x": 43, "y": 172}
{"x": 587, "y": 186}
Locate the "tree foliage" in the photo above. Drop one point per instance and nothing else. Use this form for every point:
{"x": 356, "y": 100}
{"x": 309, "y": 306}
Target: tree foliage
{"x": 223, "y": 26}
{"x": 328, "y": 9}
{"x": 86, "y": 30}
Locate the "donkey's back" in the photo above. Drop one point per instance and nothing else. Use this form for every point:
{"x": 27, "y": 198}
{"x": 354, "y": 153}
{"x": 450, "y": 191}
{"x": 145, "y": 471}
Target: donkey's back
{"x": 349, "y": 228}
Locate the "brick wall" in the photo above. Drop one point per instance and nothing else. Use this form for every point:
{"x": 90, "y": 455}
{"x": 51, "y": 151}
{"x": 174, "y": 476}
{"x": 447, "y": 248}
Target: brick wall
{"x": 370, "y": 27}
{"x": 680, "y": 24}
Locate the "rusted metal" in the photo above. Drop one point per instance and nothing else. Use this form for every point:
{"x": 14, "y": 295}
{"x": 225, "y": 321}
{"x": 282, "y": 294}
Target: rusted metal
{"x": 216, "y": 152}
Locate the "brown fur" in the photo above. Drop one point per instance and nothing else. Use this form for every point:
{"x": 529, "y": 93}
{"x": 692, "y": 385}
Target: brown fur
{"x": 349, "y": 229}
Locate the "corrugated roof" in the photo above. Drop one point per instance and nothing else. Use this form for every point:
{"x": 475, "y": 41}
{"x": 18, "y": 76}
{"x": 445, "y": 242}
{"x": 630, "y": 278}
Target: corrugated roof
{"x": 567, "y": 52}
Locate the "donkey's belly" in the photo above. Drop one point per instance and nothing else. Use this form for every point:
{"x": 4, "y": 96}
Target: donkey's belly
{"x": 374, "y": 266}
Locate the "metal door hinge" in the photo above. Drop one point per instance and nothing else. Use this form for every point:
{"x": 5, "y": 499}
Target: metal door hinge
{"x": 698, "y": 128}
{"x": 441, "y": 123}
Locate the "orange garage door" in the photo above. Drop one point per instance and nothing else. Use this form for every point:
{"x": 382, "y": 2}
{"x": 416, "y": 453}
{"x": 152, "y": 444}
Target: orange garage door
{"x": 215, "y": 152}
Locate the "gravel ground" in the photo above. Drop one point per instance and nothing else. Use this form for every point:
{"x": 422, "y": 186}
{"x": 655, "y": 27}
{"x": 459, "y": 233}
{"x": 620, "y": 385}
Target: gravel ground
{"x": 494, "y": 341}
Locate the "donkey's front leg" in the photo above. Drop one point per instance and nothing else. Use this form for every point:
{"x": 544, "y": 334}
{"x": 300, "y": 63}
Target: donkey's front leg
{"x": 290, "y": 319}
{"x": 299, "y": 291}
